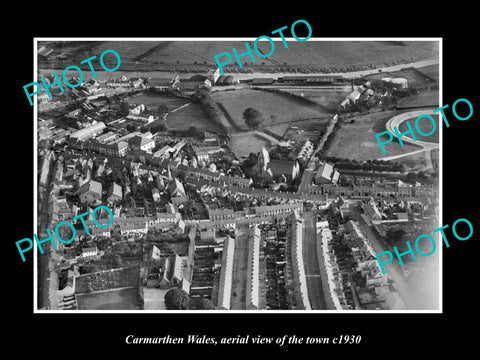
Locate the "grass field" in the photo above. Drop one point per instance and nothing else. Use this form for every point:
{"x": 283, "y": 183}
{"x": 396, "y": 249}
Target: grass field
{"x": 123, "y": 299}
{"x": 279, "y": 129}
{"x": 415, "y": 162}
{"x": 191, "y": 115}
{"x": 425, "y": 126}
{"x": 183, "y": 119}
{"x": 431, "y": 71}
{"x": 357, "y": 141}
{"x": 276, "y": 108}
{"x": 328, "y": 98}
{"x": 425, "y": 98}
{"x": 243, "y": 143}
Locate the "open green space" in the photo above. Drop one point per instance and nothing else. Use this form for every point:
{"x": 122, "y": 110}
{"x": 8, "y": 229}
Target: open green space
{"x": 330, "y": 98}
{"x": 243, "y": 143}
{"x": 414, "y": 162}
{"x": 425, "y": 126}
{"x": 432, "y": 71}
{"x": 357, "y": 140}
{"x": 423, "y": 99}
{"x": 191, "y": 115}
{"x": 276, "y": 108}
{"x": 181, "y": 119}
{"x": 122, "y": 299}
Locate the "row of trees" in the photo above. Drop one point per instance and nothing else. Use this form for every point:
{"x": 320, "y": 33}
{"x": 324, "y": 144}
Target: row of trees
{"x": 203, "y": 98}
{"x": 370, "y": 165}
{"x": 332, "y": 136}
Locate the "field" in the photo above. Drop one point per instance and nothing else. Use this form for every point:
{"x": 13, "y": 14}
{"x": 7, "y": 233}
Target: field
{"x": 328, "y": 98}
{"x": 154, "y": 298}
{"x": 123, "y": 299}
{"x": 425, "y": 126}
{"x": 423, "y": 99}
{"x": 415, "y": 162}
{"x": 357, "y": 141}
{"x": 431, "y": 71}
{"x": 278, "y": 130}
{"x": 242, "y": 144}
{"x": 319, "y": 54}
{"x": 276, "y": 108}
{"x": 183, "y": 119}
{"x": 191, "y": 115}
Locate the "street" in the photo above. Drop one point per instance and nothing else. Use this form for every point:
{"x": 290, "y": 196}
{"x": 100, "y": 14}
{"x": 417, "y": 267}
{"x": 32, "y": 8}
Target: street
{"x": 312, "y": 268}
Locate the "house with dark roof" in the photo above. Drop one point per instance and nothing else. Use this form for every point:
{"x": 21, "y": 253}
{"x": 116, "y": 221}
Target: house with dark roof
{"x": 286, "y": 168}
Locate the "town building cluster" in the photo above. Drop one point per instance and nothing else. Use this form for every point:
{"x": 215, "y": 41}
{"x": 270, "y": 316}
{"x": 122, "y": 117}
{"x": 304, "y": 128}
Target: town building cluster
{"x": 181, "y": 203}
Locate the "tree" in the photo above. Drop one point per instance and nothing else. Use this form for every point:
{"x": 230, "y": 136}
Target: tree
{"x": 162, "y": 109}
{"x": 157, "y": 128}
{"x": 193, "y": 132}
{"x": 124, "y": 108}
{"x": 176, "y": 299}
{"x": 253, "y": 118}
{"x": 200, "y": 304}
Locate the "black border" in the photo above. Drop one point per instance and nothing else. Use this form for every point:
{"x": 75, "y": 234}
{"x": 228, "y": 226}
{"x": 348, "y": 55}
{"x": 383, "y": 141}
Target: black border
{"x": 381, "y": 333}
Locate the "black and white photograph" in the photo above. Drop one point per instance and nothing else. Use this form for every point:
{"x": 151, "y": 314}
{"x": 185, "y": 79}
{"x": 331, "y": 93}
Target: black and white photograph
{"x": 256, "y": 185}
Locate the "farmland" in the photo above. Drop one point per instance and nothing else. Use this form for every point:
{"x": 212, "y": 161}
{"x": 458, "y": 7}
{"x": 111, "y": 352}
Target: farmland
{"x": 325, "y": 56}
{"x": 276, "y": 108}
{"x": 357, "y": 140}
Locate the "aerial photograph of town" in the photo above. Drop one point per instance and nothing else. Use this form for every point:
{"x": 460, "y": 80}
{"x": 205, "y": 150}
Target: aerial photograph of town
{"x": 256, "y": 186}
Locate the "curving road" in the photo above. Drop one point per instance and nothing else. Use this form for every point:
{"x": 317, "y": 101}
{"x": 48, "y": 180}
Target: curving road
{"x": 396, "y": 120}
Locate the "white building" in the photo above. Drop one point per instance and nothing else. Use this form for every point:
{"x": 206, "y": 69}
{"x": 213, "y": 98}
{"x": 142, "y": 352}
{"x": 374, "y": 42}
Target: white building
{"x": 89, "y": 252}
